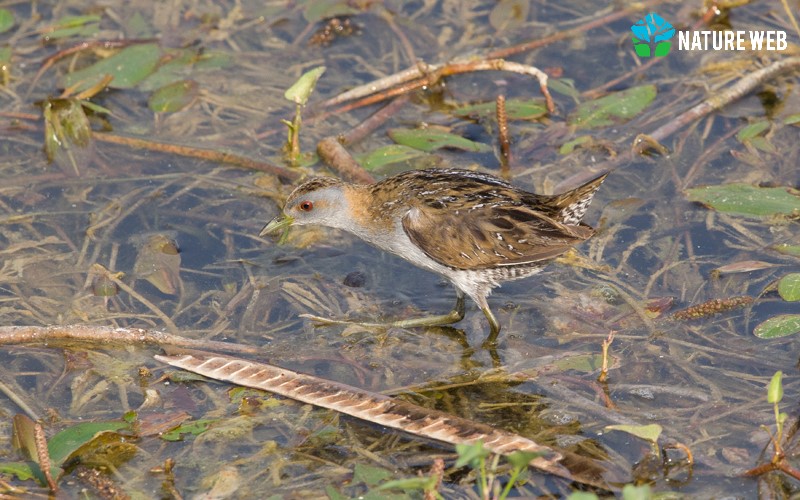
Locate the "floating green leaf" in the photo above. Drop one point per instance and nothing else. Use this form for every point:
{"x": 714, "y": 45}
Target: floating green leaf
{"x": 84, "y": 26}
{"x": 424, "y": 483}
{"x": 386, "y": 155}
{"x": 792, "y": 119}
{"x": 787, "y": 249}
{"x": 301, "y": 90}
{"x": 516, "y": 109}
{"x": 66, "y": 442}
{"x": 649, "y": 432}
{"x": 582, "y": 495}
{"x": 23, "y": 471}
{"x": 570, "y": 146}
{"x": 128, "y": 67}
{"x": 564, "y": 86}
{"x": 613, "y": 108}
{"x": 6, "y": 20}
{"x": 195, "y": 427}
{"x": 779, "y": 326}
{"x": 745, "y": 199}
{"x": 174, "y": 97}
{"x": 429, "y": 139}
{"x": 586, "y": 363}
{"x": 753, "y": 130}
{"x": 789, "y": 287}
{"x": 370, "y": 475}
{"x": 775, "y": 388}
{"x": 633, "y": 492}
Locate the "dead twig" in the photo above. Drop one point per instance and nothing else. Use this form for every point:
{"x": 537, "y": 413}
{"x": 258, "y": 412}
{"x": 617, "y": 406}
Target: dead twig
{"x": 203, "y": 154}
{"x": 109, "y": 336}
{"x": 426, "y": 75}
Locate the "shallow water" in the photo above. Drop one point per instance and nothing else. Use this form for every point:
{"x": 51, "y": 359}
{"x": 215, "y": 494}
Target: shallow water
{"x": 702, "y": 380}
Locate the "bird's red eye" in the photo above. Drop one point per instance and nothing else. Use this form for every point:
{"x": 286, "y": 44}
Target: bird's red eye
{"x": 306, "y": 206}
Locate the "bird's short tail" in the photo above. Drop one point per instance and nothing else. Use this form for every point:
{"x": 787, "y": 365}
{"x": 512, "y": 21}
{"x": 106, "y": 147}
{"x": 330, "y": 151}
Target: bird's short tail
{"x": 572, "y": 205}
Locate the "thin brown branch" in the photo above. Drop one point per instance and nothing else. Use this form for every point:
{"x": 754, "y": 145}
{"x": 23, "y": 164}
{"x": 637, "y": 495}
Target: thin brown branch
{"x": 110, "y": 336}
{"x": 426, "y": 75}
{"x": 204, "y": 154}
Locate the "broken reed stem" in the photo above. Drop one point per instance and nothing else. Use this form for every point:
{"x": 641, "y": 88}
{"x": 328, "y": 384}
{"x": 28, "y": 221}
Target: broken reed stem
{"x": 94, "y": 336}
{"x": 331, "y": 151}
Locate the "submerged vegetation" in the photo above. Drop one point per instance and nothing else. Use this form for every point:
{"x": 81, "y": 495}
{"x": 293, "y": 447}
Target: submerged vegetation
{"x": 145, "y": 144}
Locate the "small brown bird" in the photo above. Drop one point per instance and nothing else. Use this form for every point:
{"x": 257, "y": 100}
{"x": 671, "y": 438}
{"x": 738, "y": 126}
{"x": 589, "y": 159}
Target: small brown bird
{"x": 472, "y": 228}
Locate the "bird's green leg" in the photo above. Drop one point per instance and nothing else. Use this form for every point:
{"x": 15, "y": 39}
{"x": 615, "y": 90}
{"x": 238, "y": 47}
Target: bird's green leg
{"x": 454, "y": 316}
{"x": 494, "y": 327}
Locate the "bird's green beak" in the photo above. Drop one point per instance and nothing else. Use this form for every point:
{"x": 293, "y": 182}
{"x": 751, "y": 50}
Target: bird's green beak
{"x": 280, "y": 222}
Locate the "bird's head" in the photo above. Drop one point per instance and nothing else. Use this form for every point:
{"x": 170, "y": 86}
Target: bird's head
{"x": 320, "y": 200}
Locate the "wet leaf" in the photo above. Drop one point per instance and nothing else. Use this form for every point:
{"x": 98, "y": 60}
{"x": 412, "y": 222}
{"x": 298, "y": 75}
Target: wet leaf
{"x": 564, "y": 86}
{"x": 633, "y": 492}
{"x": 789, "y": 287}
{"x": 745, "y": 199}
{"x": 570, "y": 146}
{"x": 6, "y": 20}
{"x": 613, "y": 108}
{"x": 429, "y": 140}
{"x": 23, "y": 437}
{"x": 586, "y": 363}
{"x": 370, "y": 475}
{"x": 173, "y": 97}
{"x": 159, "y": 262}
{"x": 743, "y": 267}
{"x": 753, "y": 130}
{"x": 128, "y": 67}
{"x": 387, "y": 155}
{"x": 103, "y": 286}
{"x": 104, "y": 449}
{"x": 195, "y": 428}
{"x": 68, "y": 135}
{"x": 509, "y": 14}
{"x": 66, "y": 442}
{"x": 786, "y": 249}
{"x": 516, "y": 109}
{"x": 410, "y": 484}
{"x": 83, "y": 26}
{"x": 792, "y": 119}
{"x": 649, "y": 432}
{"x": 301, "y": 90}
{"x": 582, "y": 495}
{"x": 775, "y": 388}
{"x": 22, "y": 471}
{"x": 223, "y": 484}
{"x": 471, "y": 454}
{"x": 779, "y": 326}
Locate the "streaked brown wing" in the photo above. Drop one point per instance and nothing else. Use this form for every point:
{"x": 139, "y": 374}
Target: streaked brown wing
{"x": 489, "y": 236}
